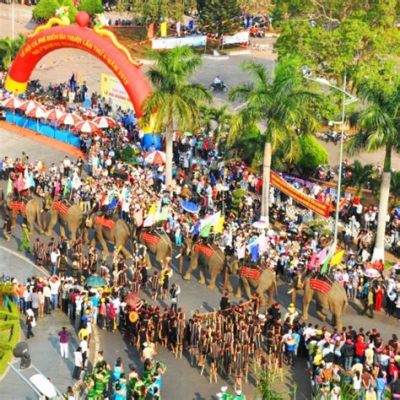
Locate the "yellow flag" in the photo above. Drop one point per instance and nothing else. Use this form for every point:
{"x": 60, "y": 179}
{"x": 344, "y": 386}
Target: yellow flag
{"x": 337, "y": 258}
{"x": 163, "y": 28}
{"x": 219, "y": 226}
{"x": 153, "y": 209}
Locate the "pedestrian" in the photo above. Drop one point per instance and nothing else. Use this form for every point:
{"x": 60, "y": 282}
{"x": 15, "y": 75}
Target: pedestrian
{"x": 84, "y": 349}
{"x": 174, "y": 292}
{"x": 369, "y": 303}
{"x": 30, "y": 323}
{"x": 78, "y": 364}
{"x": 64, "y": 342}
{"x": 25, "y": 241}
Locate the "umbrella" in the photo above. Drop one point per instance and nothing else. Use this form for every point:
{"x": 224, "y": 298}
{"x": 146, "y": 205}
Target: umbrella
{"x": 54, "y": 114}
{"x": 260, "y": 225}
{"x": 86, "y": 127}
{"x": 105, "y": 122}
{"x": 155, "y": 158}
{"x": 12, "y": 103}
{"x": 36, "y": 112}
{"x": 372, "y": 273}
{"x": 69, "y": 119}
{"x": 28, "y": 105}
{"x": 190, "y": 207}
{"x": 90, "y": 114}
{"x": 95, "y": 281}
{"x": 131, "y": 300}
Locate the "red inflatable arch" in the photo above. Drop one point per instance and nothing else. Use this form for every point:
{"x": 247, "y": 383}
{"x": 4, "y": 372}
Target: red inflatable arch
{"x": 84, "y": 38}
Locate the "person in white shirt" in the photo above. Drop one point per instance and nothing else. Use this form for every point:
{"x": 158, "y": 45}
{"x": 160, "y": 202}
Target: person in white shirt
{"x": 78, "y": 363}
{"x": 54, "y": 288}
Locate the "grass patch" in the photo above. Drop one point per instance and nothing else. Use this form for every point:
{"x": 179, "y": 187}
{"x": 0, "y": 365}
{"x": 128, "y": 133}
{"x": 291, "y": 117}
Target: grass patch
{"x": 10, "y": 330}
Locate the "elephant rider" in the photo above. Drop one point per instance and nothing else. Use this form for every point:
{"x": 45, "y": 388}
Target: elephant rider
{"x": 292, "y": 314}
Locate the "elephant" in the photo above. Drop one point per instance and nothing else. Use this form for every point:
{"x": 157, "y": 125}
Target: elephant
{"x": 211, "y": 258}
{"x": 32, "y": 213}
{"x": 158, "y": 244}
{"x": 266, "y": 283}
{"x": 335, "y": 300}
{"x": 117, "y": 233}
{"x": 70, "y": 217}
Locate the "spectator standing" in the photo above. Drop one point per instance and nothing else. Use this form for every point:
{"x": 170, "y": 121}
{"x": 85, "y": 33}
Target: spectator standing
{"x": 78, "y": 363}
{"x": 64, "y": 336}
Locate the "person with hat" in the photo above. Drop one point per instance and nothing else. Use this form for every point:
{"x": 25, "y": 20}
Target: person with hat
{"x": 292, "y": 314}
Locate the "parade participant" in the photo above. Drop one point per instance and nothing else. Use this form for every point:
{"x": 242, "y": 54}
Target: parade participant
{"x": 25, "y": 244}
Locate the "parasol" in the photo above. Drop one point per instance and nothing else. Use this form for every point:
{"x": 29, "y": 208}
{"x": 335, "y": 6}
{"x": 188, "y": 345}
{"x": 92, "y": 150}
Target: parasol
{"x": 105, "y": 122}
{"x": 260, "y": 225}
{"x": 95, "y": 281}
{"x": 36, "y": 112}
{"x": 86, "y": 127}
{"x": 28, "y": 105}
{"x": 190, "y": 207}
{"x": 155, "y": 158}
{"x": 372, "y": 273}
{"x": 12, "y": 103}
{"x": 54, "y": 114}
{"x": 69, "y": 119}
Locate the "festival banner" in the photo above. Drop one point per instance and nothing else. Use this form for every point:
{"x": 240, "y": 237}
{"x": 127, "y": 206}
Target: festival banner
{"x": 305, "y": 200}
{"x": 111, "y": 88}
{"x": 172, "y": 42}
{"x": 240, "y": 37}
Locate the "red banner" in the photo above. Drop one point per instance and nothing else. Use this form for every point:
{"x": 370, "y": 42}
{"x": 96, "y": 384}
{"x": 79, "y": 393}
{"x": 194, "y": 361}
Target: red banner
{"x": 305, "y": 200}
{"x": 61, "y": 208}
{"x": 18, "y": 206}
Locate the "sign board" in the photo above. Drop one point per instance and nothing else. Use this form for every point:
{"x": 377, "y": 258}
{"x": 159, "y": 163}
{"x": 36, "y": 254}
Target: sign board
{"x": 172, "y": 42}
{"x": 240, "y": 37}
{"x": 111, "y": 88}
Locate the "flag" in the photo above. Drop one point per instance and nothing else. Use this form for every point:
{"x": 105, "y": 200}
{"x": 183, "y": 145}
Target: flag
{"x": 162, "y": 215}
{"x": 163, "y": 28}
{"x": 219, "y": 226}
{"x": 196, "y": 228}
{"x": 210, "y": 220}
{"x": 255, "y": 251}
{"x": 313, "y": 261}
{"x": 150, "y": 31}
{"x": 205, "y": 232}
{"x": 321, "y": 256}
{"x": 337, "y": 258}
{"x": 328, "y": 258}
{"x": 263, "y": 243}
{"x": 9, "y": 187}
{"x": 154, "y": 209}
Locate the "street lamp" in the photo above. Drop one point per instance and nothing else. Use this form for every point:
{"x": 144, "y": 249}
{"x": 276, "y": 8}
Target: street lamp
{"x": 347, "y": 98}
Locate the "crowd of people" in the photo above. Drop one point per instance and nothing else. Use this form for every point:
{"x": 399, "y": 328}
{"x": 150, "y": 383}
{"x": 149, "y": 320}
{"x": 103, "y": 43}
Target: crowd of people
{"x": 235, "y": 341}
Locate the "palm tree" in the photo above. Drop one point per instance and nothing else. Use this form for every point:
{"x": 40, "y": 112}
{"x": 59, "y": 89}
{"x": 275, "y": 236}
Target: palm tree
{"x": 279, "y": 108}
{"x": 9, "y": 48}
{"x": 395, "y": 187}
{"x": 379, "y": 128}
{"x": 361, "y": 176}
{"x": 221, "y": 118}
{"x": 175, "y": 102}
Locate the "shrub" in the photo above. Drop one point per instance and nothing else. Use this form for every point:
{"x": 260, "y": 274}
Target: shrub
{"x": 45, "y": 9}
{"x": 312, "y": 154}
{"x": 92, "y": 7}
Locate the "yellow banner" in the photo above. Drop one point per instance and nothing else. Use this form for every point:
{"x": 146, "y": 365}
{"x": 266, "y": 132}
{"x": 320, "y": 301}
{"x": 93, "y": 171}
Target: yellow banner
{"x": 112, "y": 89}
{"x": 163, "y": 28}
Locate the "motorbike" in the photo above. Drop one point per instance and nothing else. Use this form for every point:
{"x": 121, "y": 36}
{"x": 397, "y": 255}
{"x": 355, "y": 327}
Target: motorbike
{"x": 218, "y": 87}
{"x": 324, "y": 173}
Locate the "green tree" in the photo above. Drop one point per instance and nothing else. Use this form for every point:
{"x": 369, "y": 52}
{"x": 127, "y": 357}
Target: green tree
{"x": 92, "y": 7}
{"x": 175, "y": 101}
{"x": 9, "y": 49}
{"x": 360, "y": 176}
{"x": 312, "y": 154}
{"x": 219, "y": 16}
{"x": 217, "y": 119}
{"x": 157, "y": 10}
{"x": 395, "y": 187}
{"x": 379, "y": 128}
{"x": 278, "y": 108}
{"x": 45, "y": 9}
{"x": 72, "y": 11}
{"x": 356, "y": 37}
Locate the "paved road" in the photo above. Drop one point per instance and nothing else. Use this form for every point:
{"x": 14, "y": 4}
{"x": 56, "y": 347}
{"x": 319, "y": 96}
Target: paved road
{"x": 44, "y": 347}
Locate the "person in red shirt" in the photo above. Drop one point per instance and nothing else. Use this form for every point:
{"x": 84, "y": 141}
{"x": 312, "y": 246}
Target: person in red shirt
{"x": 359, "y": 349}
